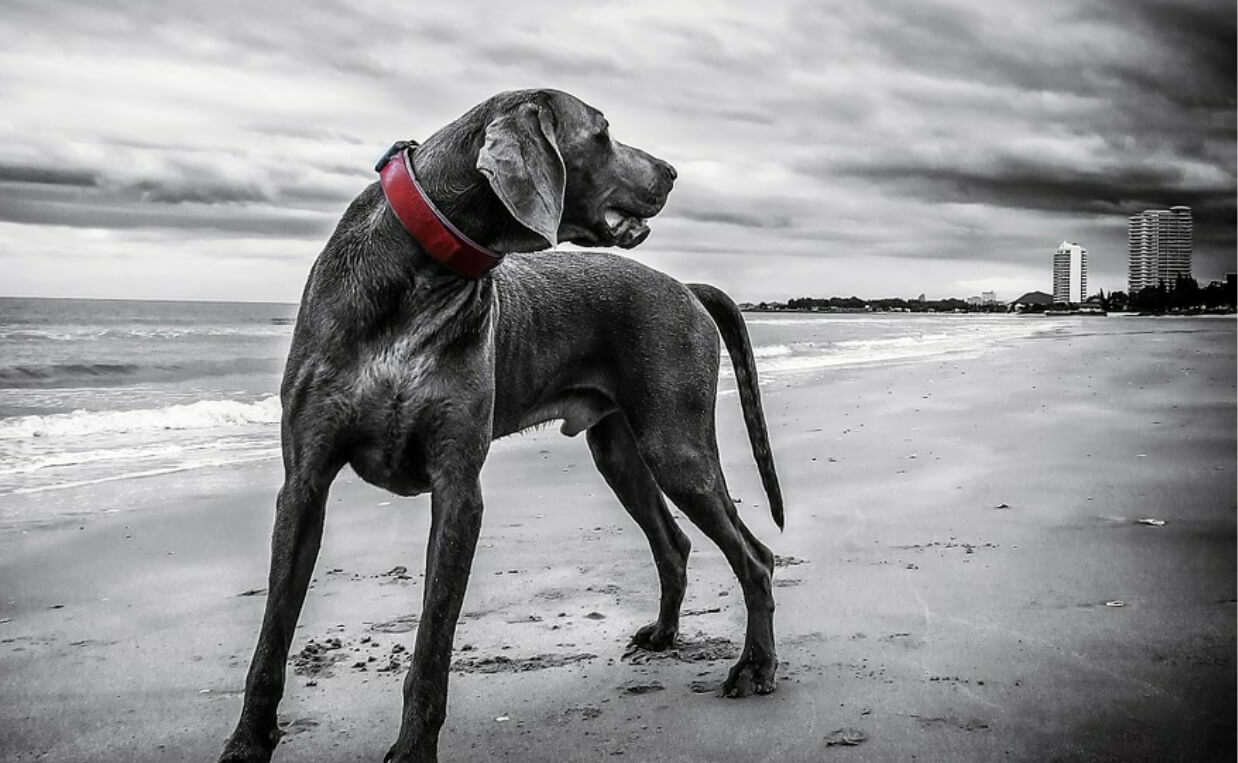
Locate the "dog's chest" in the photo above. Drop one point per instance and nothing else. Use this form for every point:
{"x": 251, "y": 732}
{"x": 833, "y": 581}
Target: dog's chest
{"x": 388, "y": 398}
{"x": 397, "y": 368}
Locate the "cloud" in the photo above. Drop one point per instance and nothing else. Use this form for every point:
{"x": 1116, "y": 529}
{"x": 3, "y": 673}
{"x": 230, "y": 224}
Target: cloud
{"x": 905, "y": 141}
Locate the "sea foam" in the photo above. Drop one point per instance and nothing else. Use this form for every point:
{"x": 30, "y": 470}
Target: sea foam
{"x": 204, "y": 414}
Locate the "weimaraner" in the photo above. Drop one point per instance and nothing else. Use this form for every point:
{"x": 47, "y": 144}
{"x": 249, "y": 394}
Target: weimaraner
{"x": 406, "y": 364}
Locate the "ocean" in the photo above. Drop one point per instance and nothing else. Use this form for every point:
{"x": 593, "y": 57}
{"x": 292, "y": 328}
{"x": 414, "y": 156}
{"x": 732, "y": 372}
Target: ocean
{"x": 95, "y": 391}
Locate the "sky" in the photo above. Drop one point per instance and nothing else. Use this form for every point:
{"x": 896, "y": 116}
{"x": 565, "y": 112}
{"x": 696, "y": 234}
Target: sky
{"x": 206, "y": 150}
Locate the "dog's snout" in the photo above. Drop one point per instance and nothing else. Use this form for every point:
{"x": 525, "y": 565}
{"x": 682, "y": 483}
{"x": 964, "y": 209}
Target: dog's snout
{"x": 668, "y": 169}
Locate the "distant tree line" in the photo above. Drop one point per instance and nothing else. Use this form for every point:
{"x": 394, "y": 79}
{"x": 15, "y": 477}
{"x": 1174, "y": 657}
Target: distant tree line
{"x": 856, "y": 304}
{"x": 1184, "y": 295}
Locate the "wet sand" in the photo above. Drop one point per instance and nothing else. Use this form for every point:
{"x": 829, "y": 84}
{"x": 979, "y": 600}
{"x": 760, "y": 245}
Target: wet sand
{"x": 964, "y": 577}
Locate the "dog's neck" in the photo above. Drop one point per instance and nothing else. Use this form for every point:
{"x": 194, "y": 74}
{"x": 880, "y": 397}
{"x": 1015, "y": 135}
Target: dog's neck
{"x": 428, "y": 226}
{"x": 445, "y": 166}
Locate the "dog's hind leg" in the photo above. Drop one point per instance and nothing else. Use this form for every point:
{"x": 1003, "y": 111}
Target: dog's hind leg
{"x": 299, "y": 515}
{"x": 617, "y": 458}
{"x": 683, "y": 456}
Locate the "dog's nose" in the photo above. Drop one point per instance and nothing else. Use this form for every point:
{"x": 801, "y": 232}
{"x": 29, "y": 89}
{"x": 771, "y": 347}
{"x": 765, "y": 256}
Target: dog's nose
{"x": 669, "y": 169}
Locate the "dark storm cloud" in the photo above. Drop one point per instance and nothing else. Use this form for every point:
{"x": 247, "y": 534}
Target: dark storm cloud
{"x": 1094, "y": 111}
{"x": 253, "y": 195}
{"x": 119, "y": 215}
{"x": 173, "y": 196}
{"x": 1021, "y": 182}
{"x": 1201, "y": 37}
{"x": 47, "y": 175}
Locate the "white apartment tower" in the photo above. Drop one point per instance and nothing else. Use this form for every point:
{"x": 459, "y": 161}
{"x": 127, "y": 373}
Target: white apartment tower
{"x": 1070, "y": 273}
{"x": 1160, "y": 247}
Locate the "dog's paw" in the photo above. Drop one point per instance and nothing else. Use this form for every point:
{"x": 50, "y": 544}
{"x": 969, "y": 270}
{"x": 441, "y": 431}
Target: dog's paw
{"x": 398, "y": 754}
{"x": 239, "y": 752}
{"x": 751, "y": 676}
{"x": 242, "y": 748}
{"x": 654, "y": 637}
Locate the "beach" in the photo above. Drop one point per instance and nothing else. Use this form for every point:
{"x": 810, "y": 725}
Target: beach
{"x": 966, "y": 573}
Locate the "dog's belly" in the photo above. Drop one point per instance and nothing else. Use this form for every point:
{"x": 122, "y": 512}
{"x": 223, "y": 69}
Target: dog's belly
{"x": 579, "y": 409}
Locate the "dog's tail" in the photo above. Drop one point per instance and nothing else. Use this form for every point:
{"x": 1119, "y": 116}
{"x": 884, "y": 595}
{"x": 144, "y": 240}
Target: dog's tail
{"x": 735, "y": 335}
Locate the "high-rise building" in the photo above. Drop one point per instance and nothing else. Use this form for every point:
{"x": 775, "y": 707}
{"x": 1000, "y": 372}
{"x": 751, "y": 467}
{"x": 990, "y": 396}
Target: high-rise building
{"x": 1159, "y": 241}
{"x": 988, "y": 298}
{"x": 1070, "y": 273}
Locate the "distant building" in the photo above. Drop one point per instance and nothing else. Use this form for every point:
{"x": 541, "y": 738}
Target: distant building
{"x": 1159, "y": 241}
{"x": 1035, "y": 300}
{"x": 1070, "y": 273}
{"x": 988, "y": 298}
{"x": 974, "y": 301}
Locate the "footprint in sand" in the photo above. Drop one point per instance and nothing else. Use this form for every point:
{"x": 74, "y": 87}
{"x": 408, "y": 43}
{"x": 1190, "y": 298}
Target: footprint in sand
{"x": 970, "y": 724}
{"x": 299, "y": 726}
{"x": 401, "y": 624}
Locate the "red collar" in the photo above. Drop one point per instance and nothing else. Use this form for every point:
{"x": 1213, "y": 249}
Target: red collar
{"x": 437, "y": 236}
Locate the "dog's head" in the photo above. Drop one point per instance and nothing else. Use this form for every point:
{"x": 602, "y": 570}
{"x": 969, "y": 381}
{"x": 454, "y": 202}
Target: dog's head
{"x": 551, "y": 161}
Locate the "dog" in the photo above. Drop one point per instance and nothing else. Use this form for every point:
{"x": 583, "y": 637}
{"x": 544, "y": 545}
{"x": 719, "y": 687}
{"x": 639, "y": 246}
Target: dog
{"x": 432, "y": 323}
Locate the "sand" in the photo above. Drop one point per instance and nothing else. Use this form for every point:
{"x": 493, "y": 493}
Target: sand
{"x": 963, "y": 577}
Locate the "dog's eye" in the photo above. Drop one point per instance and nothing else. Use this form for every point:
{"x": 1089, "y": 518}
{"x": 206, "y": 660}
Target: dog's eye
{"x": 603, "y": 135}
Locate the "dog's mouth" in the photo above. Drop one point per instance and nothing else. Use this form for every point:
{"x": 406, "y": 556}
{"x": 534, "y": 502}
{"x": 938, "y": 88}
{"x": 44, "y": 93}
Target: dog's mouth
{"x": 626, "y": 229}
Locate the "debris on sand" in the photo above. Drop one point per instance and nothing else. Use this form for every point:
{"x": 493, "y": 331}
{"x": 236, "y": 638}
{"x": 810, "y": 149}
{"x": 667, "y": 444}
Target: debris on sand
{"x": 253, "y": 592}
{"x": 1115, "y": 603}
{"x": 1002, "y": 506}
{"x": 695, "y": 612}
{"x": 398, "y": 572}
{"x": 699, "y": 648}
{"x": 317, "y": 658}
{"x": 845, "y": 737}
{"x": 787, "y": 561}
{"x": 703, "y": 687}
{"x": 501, "y": 664}
{"x": 1150, "y": 521}
{"x": 969, "y": 724}
{"x": 637, "y": 687}
{"x": 595, "y": 616}
{"x": 392, "y": 666}
{"x": 586, "y": 712}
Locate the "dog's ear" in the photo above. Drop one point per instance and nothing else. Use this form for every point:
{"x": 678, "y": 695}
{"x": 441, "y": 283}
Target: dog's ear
{"x": 522, "y": 162}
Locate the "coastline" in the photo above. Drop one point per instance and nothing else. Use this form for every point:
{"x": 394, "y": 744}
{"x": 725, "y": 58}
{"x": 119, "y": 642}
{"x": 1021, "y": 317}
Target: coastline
{"x": 942, "y": 626}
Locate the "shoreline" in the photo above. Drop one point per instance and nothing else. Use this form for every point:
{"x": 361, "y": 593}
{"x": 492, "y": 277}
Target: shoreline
{"x": 911, "y": 605}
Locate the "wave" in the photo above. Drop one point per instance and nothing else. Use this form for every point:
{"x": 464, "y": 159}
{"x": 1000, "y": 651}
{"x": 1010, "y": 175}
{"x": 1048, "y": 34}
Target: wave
{"x": 275, "y": 328}
{"x": 13, "y": 376}
{"x": 112, "y": 374}
{"x": 771, "y": 351}
{"x": 801, "y": 357}
{"x": 204, "y": 414}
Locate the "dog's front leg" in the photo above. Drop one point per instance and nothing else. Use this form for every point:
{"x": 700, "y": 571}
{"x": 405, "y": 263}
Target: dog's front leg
{"x": 454, "y": 526}
{"x": 295, "y": 541}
